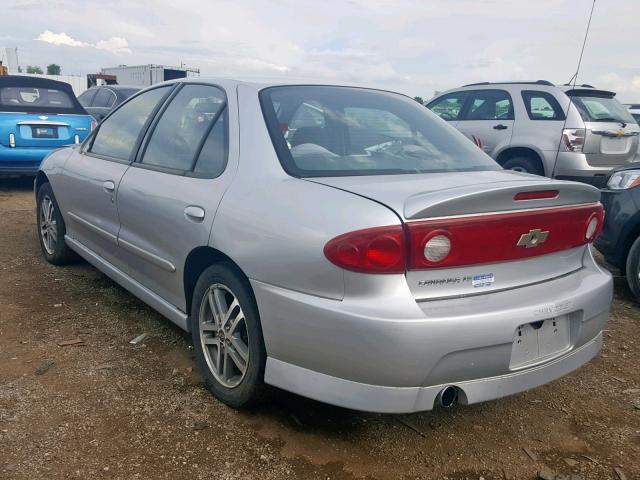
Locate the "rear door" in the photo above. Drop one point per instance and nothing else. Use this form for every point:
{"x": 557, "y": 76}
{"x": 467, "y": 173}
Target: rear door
{"x": 488, "y": 116}
{"x": 87, "y": 192}
{"x": 168, "y": 198}
{"x": 611, "y": 132}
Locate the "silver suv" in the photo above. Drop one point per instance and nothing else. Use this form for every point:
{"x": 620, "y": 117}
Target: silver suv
{"x": 577, "y": 133}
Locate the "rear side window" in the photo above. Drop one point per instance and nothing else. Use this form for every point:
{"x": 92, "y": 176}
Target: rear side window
{"x": 117, "y": 135}
{"x": 44, "y": 98}
{"x": 489, "y": 105}
{"x": 87, "y": 96}
{"x": 448, "y": 107}
{"x": 104, "y": 98}
{"x": 542, "y": 105}
{"x": 191, "y": 134}
{"x": 363, "y": 132}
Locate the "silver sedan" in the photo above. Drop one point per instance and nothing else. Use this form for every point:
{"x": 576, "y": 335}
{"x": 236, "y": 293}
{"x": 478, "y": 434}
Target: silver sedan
{"x": 342, "y": 243}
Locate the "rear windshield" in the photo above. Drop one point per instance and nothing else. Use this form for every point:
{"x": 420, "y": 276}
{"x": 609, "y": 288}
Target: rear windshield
{"x": 601, "y": 109}
{"x": 342, "y": 131}
{"x": 46, "y": 98}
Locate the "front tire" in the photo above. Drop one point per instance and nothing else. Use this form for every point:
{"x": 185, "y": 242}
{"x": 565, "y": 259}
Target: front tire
{"x": 633, "y": 269}
{"x": 227, "y": 336}
{"x": 51, "y": 228}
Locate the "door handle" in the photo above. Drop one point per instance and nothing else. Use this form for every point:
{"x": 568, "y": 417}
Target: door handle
{"x": 194, "y": 213}
{"x": 109, "y": 186}
{"x": 500, "y": 127}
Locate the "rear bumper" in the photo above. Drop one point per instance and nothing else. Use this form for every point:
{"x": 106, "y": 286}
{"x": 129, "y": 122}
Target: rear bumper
{"x": 375, "y": 398}
{"x": 575, "y": 166}
{"x": 21, "y": 160}
{"x": 393, "y": 354}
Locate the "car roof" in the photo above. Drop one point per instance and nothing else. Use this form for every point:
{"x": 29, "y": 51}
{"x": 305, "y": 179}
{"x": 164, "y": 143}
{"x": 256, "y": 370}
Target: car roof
{"x": 265, "y": 82}
{"x": 33, "y": 82}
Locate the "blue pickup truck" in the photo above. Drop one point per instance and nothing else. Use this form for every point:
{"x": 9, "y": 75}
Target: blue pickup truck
{"x": 37, "y": 115}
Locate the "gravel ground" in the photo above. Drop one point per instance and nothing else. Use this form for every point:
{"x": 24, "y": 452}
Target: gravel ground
{"x": 103, "y": 408}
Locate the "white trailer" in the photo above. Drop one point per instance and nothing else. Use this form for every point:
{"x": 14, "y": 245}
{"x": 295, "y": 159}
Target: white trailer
{"x": 145, "y": 75}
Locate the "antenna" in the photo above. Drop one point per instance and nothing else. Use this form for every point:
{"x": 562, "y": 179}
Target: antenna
{"x": 575, "y": 75}
{"x": 575, "y": 80}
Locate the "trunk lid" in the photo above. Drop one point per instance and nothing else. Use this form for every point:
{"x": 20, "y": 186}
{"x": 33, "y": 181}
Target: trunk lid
{"x": 489, "y": 197}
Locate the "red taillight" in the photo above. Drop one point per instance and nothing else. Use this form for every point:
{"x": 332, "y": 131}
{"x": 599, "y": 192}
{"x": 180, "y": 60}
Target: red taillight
{"x": 573, "y": 139}
{"x": 467, "y": 240}
{"x": 94, "y": 124}
{"x": 536, "y": 195}
{"x": 373, "y": 250}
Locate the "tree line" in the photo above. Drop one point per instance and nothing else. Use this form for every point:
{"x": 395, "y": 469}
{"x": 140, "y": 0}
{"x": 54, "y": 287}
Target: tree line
{"x": 52, "y": 69}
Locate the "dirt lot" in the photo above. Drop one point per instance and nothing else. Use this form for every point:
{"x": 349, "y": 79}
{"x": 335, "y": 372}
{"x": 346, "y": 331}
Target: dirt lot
{"x": 108, "y": 409}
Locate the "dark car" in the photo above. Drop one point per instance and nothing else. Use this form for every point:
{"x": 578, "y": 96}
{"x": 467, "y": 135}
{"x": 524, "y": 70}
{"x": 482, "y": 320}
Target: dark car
{"x": 620, "y": 239}
{"x": 99, "y": 101}
{"x": 37, "y": 115}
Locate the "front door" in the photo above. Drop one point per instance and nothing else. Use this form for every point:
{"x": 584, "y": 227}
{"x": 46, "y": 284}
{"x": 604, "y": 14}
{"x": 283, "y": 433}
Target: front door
{"x": 168, "y": 198}
{"x": 92, "y": 177}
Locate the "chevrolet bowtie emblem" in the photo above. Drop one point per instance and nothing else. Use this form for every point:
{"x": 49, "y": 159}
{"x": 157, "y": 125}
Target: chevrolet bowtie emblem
{"x": 533, "y": 238}
{"x": 620, "y": 133}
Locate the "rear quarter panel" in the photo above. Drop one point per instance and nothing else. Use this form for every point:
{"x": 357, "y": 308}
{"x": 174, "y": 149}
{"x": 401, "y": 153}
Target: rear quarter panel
{"x": 275, "y": 226}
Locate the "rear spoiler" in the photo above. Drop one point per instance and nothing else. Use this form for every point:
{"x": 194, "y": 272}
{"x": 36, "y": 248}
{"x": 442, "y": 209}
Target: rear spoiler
{"x": 590, "y": 92}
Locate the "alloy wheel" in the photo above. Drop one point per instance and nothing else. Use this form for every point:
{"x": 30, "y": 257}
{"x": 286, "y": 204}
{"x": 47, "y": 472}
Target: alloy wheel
{"x": 224, "y": 335}
{"x": 48, "y": 225}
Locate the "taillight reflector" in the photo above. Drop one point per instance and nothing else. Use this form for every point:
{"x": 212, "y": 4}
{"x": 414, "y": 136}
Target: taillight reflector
{"x": 505, "y": 236}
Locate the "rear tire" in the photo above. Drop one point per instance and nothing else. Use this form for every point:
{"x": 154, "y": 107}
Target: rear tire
{"x": 633, "y": 269}
{"x": 51, "y": 228}
{"x": 227, "y": 336}
{"x": 523, "y": 164}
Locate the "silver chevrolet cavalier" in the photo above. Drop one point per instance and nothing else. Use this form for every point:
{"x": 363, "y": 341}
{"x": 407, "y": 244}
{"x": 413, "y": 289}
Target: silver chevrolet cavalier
{"x": 341, "y": 243}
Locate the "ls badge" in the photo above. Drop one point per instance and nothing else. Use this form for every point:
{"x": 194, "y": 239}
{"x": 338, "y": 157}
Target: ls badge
{"x": 533, "y": 238}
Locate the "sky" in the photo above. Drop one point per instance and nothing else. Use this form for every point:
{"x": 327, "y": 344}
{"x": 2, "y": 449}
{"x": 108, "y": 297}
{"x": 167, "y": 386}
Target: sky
{"x": 415, "y": 47}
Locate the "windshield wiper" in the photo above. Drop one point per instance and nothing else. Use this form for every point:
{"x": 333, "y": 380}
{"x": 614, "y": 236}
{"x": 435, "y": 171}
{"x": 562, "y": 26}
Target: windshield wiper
{"x": 611, "y": 119}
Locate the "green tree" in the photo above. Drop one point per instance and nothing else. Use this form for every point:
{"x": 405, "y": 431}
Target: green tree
{"x": 53, "y": 69}
{"x": 33, "y": 69}
{"x": 419, "y": 100}
{"x": 19, "y": 69}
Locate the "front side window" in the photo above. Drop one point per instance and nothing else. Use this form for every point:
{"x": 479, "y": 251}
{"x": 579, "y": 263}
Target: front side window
{"x": 489, "y": 105}
{"x": 448, "y": 107}
{"x": 363, "y": 132}
{"x": 118, "y": 134}
{"x": 541, "y": 105}
{"x": 191, "y": 133}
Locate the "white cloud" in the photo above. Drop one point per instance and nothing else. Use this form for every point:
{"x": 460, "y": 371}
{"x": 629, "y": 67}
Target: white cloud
{"x": 60, "y": 39}
{"x": 113, "y": 44}
{"x": 412, "y": 47}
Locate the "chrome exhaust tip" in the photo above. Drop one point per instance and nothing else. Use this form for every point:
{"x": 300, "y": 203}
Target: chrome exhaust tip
{"x": 448, "y": 397}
